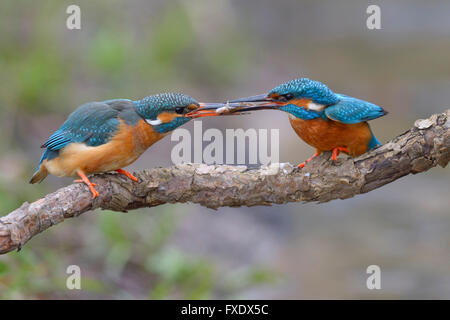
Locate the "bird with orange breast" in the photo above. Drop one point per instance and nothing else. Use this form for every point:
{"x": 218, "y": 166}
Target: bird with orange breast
{"x": 326, "y": 120}
{"x": 106, "y": 136}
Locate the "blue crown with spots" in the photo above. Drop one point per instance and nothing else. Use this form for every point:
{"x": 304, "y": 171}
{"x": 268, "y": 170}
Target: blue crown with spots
{"x": 149, "y": 107}
{"x": 307, "y": 88}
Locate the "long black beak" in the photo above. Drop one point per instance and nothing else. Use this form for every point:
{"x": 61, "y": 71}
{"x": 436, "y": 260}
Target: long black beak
{"x": 252, "y": 99}
{"x": 235, "y": 107}
{"x": 253, "y": 103}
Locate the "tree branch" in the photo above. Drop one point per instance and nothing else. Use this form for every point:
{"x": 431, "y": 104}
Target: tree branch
{"x": 422, "y": 147}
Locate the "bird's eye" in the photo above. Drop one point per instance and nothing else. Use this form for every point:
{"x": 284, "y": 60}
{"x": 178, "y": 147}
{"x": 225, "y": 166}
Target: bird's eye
{"x": 284, "y": 97}
{"x": 179, "y": 110}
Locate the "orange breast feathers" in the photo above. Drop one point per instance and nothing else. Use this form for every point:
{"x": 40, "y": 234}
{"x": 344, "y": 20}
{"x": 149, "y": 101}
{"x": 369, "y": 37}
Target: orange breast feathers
{"x": 325, "y": 135}
{"x": 167, "y": 117}
{"x": 122, "y": 150}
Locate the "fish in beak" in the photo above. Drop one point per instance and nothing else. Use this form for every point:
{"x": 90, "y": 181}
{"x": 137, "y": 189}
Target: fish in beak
{"x": 236, "y": 107}
{"x": 215, "y": 109}
{"x": 253, "y": 103}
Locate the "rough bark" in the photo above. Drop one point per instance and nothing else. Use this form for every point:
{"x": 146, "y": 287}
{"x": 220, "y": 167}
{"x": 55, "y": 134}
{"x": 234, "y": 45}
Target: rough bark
{"x": 424, "y": 146}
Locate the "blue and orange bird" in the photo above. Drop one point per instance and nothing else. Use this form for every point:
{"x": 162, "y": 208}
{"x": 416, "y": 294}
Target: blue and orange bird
{"x": 325, "y": 120}
{"x": 106, "y": 136}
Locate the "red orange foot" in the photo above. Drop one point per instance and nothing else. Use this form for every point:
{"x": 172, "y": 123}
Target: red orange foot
{"x": 336, "y": 151}
{"x": 81, "y": 181}
{"x": 301, "y": 165}
{"x": 84, "y": 179}
{"x": 127, "y": 174}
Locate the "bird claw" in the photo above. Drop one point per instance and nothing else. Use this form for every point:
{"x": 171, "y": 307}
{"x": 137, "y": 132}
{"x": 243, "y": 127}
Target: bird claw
{"x": 127, "y": 174}
{"x": 84, "y": 179}
{"x": 91, "y": 186}
{"x": 301, "y": 165}
{"x": 94, "y": 192}
{"x": 336, "y": 151}
{"x": 81, "y": 181}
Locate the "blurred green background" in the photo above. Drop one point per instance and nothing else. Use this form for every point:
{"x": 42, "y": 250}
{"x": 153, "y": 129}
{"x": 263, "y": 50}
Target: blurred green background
{"x": 213, "y": 51}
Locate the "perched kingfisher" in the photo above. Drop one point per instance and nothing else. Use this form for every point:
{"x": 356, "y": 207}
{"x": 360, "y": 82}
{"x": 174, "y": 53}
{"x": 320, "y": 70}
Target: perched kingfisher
{"x": 325, "y": 120}
{"x": 106, "y": 136}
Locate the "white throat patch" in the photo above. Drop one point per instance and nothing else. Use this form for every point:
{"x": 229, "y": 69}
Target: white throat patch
{"x": 153, "y": 122}
{"x": 315, "y": 106}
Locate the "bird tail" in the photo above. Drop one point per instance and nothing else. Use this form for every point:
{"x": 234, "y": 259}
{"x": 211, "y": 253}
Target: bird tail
{"x": 374, "y": 142}
{"x": 39, "y": 175}
{"x": 41, "y": 171}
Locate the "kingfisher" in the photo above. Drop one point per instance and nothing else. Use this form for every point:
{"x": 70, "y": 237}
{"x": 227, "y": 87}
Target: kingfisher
{"x": 326, "y": 120}
{"x": 106, "y": 136}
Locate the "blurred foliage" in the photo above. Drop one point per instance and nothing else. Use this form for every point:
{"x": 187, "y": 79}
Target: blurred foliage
{"x": 123, "y": 247}
{"x": 210, "y": 50}
{"x": 176, "y": 270}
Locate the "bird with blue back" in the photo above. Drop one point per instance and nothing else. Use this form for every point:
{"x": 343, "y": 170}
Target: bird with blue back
{"x": 106, "y": 136}
{"x": 326, "y": 120}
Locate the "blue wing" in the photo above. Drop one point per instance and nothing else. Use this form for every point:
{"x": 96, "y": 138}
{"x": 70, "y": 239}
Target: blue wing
{"x": 92, "y": 123}
{"x": 351, "y": 110}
